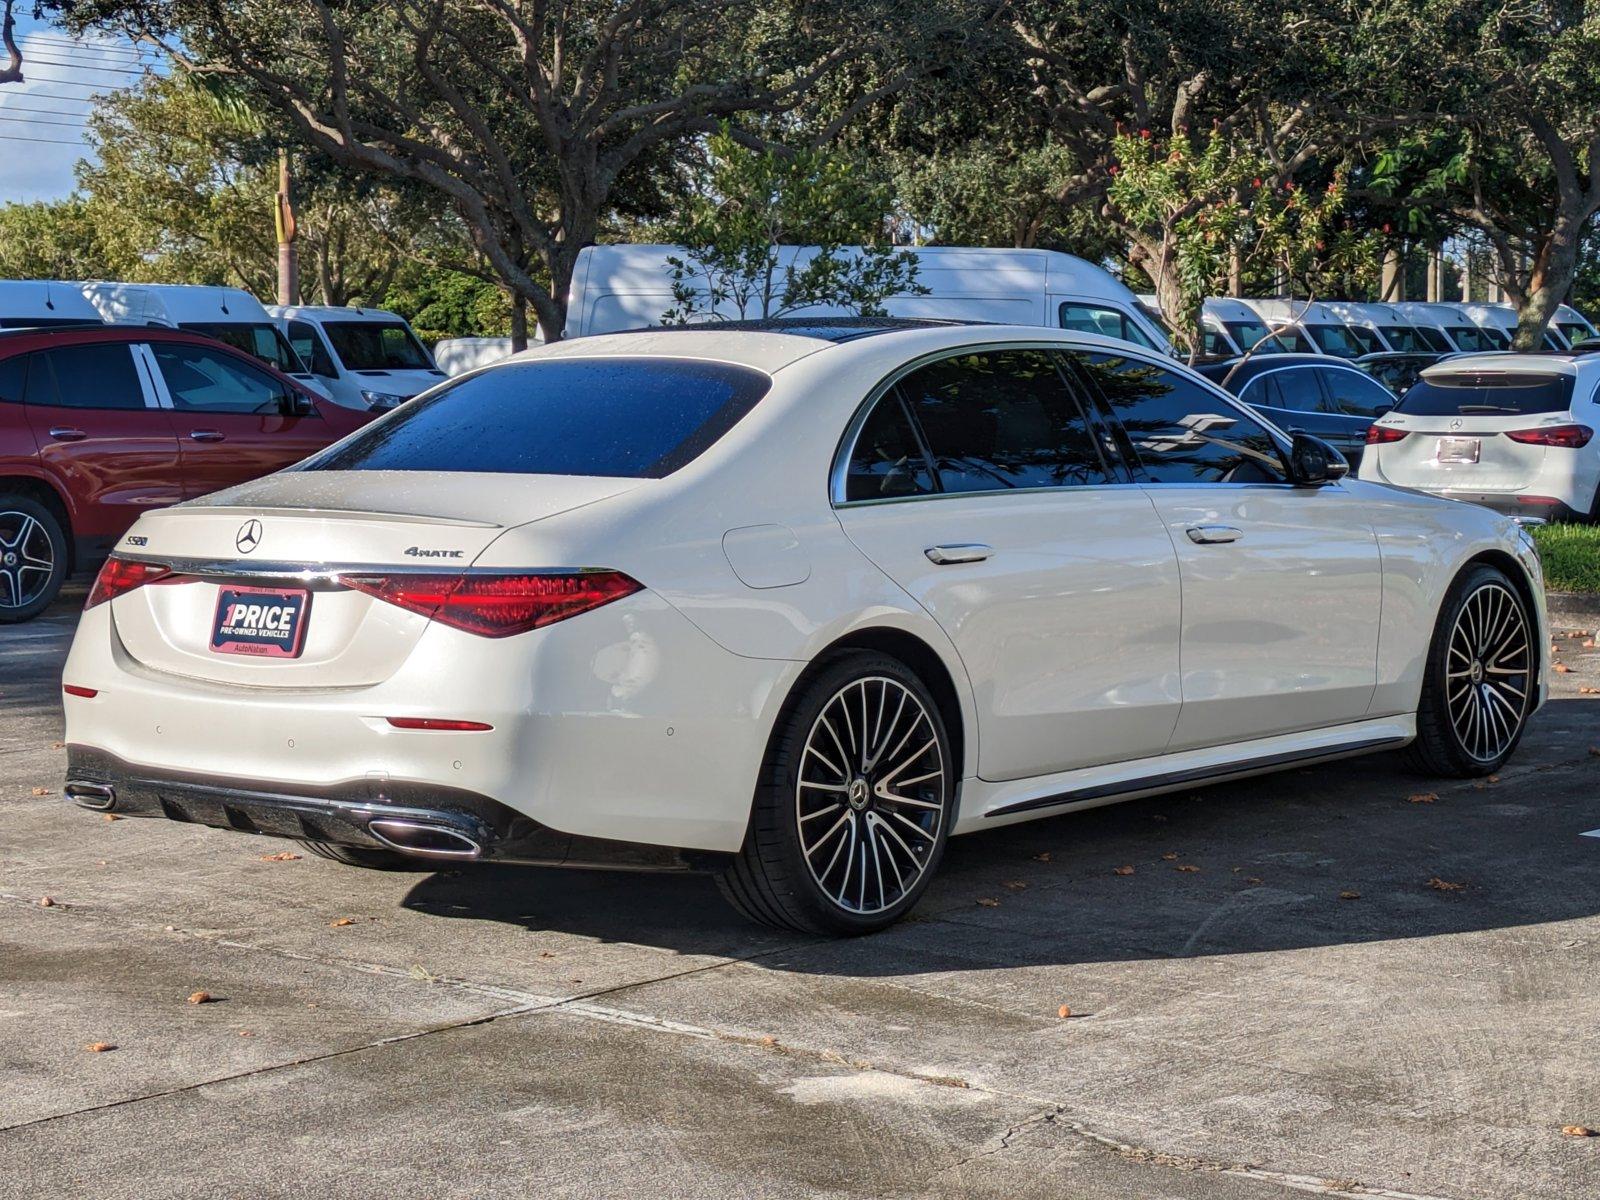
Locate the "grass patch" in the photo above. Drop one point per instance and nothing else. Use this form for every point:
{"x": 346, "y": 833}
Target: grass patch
{"x": 1571, "y": 557}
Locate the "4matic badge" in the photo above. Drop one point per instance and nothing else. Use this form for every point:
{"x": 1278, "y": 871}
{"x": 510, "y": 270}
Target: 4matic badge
{"x": 419, "y": 552}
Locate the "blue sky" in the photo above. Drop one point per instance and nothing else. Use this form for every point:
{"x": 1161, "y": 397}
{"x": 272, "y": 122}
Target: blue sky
{"x": 42, "y": 119}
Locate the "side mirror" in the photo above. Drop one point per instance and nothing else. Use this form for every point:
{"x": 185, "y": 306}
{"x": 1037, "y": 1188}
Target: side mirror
{"x": 296, "y": 404}
{"x": 1314, "y": 463}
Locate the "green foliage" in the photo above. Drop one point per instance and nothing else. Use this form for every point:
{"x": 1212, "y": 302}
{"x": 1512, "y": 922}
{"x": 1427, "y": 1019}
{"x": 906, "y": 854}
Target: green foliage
{"x": 1198, "y": 201}
{"x": 443, "y": 303}
{"x": 753, "y": 203}
{"x": 62, "y": 239}
{"x": 1571, "y": 557}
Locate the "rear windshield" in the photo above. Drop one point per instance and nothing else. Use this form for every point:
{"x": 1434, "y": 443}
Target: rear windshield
{"x": 376, "y": 346}
{"x": 629, "y": 418}
{"x": 1488, "y": 396}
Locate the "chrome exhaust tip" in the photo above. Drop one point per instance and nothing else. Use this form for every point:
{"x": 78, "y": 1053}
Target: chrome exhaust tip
{"x": 424, "y": 839}
{"x": 99, "y": 796}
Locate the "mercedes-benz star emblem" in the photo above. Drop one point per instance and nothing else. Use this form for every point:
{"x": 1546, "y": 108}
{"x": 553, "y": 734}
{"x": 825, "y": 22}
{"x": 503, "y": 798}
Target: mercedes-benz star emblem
{"x": 1456, "y": 424}
{"x": 249, "y": 537}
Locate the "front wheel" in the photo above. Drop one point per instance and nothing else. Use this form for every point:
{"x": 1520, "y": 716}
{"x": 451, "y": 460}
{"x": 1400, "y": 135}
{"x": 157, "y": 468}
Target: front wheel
{"x": 853, "y": 806}
{"x": 1479, "y": 680}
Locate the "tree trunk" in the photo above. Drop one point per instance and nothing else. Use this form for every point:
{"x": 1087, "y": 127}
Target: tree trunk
{"x": 1548, "y": 282}
{"x": 1394, "y": 277}
{"x": 1180, "y": 313}
{"x": 1235, "y": 272}
{"x": 519, "y": 322}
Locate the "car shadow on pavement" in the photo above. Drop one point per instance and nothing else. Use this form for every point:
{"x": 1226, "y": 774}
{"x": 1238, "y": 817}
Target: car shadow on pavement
{"x": 1349, "y": 852}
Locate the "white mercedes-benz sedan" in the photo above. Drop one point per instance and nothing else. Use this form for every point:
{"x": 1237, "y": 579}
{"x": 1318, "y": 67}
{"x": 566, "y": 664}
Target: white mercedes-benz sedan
{"x": 793, "y": 603}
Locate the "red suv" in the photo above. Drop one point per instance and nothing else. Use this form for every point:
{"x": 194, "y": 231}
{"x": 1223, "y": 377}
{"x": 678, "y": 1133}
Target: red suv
{"x": 100, "y": 423}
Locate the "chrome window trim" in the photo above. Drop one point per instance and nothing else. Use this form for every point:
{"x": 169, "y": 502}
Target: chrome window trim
{"x": 839, "y": 472}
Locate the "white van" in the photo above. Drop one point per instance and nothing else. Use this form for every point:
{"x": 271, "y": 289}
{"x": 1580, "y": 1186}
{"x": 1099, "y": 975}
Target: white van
{"x": 1574, "y": 326}
{"x": 1458, "y": 329}
{"x": 458, "y": 355}
{"x": 1501, "y": 321}
{"x": 364, "y": 358}
{"x": 1310, "y": 327}
{"x": 1229, "y": 327}
{"x": 630, "y": 287}
{"x": 42, "y": 304}
{"x": 1399, "y": 332}
{"x": 230, "y": 315}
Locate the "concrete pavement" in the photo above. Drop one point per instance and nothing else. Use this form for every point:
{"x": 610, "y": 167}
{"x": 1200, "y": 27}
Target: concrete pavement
{"x": 1236, "y": 1030}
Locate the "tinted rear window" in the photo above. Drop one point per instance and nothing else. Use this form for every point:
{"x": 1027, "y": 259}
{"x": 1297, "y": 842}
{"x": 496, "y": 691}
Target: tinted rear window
{"x": 1488, "y": 395}
{"x": 631, "y": 418}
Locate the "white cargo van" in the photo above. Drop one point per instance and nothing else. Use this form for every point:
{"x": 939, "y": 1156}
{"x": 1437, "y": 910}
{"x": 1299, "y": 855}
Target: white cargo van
{"x": 1574, "y": 326}
{"x": 230, "y": 315}
{"x": 630, "y": 287}
{"x": 1310, "y": 327}
{"x": 1457, "y": 328}
{"x": 43, "y": 303}
{"x": 1501, "y": 322}
{"x": 364, "y": 358}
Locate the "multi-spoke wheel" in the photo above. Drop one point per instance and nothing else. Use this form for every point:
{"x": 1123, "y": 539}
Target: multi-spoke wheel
{"x": 1481, "y": 676}
{"x": 854, "y": 804}
{"x": 33, "y": 557}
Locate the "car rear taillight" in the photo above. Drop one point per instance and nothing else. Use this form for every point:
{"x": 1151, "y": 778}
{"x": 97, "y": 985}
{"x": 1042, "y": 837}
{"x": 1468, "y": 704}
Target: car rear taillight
{"x": 1567, "y": 437}
{"x": 1378, "y": 435}
{"x": 120, "y": 575}
{"x": 498, "y": 604}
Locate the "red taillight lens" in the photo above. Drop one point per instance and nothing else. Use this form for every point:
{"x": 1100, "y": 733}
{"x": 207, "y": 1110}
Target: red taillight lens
{"x": 498, "y": 605}
{"x": 1378, "y": 435}
{"x": 74, "y": 689}
{"x": 1567, "y": 437}
{"x": 438, "y": 723}
{"x": 119, "y": 575}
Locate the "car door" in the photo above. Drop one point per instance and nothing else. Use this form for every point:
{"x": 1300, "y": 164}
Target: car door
{"x": 234, "y": 421}
{"x": 102, "y": 435}
{"x": 1281, "y": 584}
{"x": 977, "y": 483}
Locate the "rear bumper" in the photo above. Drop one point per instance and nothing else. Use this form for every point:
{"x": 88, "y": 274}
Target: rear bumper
{"x": 424, "y": 821}
{"x": 1516, "y": 504}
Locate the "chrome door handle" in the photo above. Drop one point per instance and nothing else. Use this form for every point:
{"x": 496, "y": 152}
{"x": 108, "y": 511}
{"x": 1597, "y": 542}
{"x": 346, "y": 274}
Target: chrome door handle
{"x": 958, "y": 552}
{"x": 1208, "y": 535}
{"x": 205, "y": 435}
{"x": 64, "y": 434}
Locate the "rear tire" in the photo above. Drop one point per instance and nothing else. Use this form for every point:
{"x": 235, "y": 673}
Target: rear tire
{"x": 1479, "y": 678}
{"x": 33, "y": 557}
{"x": 854, "y": 802}
{"x": 370, "y": 858}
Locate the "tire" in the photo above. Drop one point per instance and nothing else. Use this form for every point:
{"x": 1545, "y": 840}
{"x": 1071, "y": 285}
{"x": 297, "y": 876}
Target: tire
{"x": 1482, "y": 654}
{"x": 370, "y": 858}
{"x": 33, "y": 557}
{"x": 889, "y": 789}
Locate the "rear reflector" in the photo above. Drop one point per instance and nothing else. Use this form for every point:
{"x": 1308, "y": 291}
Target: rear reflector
{"x": 1378, "y": 435}
{"x": 434, "y": 723}
{"x": 73, "y": 689}
{"x": 119, "y": 575}
{"x": 1567, "y": 437}
{"x": 1540, "y": 501}
{"x": 495, "y": 604}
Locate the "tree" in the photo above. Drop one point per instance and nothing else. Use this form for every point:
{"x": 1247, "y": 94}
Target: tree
{"x": 62, "y": 239}
{"x": 1226, "y": 90}
{"x": 1513, "y": 151}
{"x": 534, "y": 120}
{"x": 752, "y": 205}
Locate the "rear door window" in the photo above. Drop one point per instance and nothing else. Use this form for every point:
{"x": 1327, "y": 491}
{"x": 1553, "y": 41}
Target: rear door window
{"x": 1299, "y": 388}
{"x": 13, "y": 378}
{"x": 631, "y": 418}
{"x": 90, "y": 376}
{"x": 888, "y": 461}
{"x": 1488, "y": 395}
{"x": 1352, "y": 394}
{"x": 1002, "y": 419}
{"x": 1179, "y": 431}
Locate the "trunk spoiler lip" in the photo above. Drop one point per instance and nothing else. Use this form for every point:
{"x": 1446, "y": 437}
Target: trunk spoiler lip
{"x": 353, "y": 515}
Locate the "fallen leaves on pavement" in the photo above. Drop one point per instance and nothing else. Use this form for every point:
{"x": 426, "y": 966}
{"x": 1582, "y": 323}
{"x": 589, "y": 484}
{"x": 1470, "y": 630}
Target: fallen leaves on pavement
{"x": 1561, "y": 668}
{"x": 100, "y": 1047}
{"x": 337, "y": 922}
{"x": 1016, "y": 885}
{"x": 989, "y": 902}
{"x": 1127, "y": 870}
{"x": 41, "y": 791}
{"x": 201, "y": 997}
{"x": 1186, "y": 867}
{"x": 283, "y": 856}
{"x": 1064, "y": 1012}
{"x": 1577, "y": 1131}
{"x": 1170, "y": 855}
{"x": 47, "y": 902}
{"x": 1423, "y": 797}
{"x": 1444, "y": 885}
{"x": 1349, "y": 895}
{"x": 1045, "y": 857}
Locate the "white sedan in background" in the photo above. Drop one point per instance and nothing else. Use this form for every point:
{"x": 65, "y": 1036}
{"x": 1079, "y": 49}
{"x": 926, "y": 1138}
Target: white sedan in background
{"x": 794, "y": 603}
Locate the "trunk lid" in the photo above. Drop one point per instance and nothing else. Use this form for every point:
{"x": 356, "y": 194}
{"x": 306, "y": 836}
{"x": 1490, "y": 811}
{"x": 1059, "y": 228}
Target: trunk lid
{"x": 288, "y": 532}
{"x": 1431, "y": 456}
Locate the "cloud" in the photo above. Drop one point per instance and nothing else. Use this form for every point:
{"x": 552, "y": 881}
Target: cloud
{"x": 42, "y": 133}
